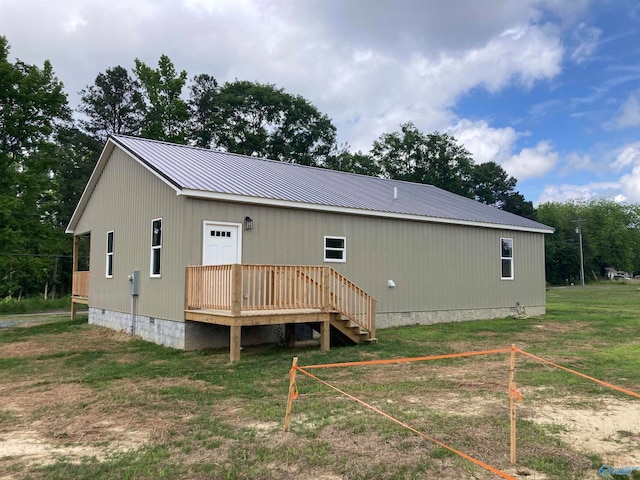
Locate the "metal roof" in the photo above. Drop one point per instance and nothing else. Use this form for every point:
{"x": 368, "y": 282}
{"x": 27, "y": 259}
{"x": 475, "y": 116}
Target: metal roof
{"x": 208, "y": 173}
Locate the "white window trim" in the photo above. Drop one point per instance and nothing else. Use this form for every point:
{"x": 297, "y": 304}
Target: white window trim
{"x": 507, "y": 258}
{"x": 109, "y": 254}
{"x": 156, "y": 247}
{"x": 343, "y": 250}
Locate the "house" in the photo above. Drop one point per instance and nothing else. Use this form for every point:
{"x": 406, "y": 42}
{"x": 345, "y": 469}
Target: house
{"x": 194, "y": 248}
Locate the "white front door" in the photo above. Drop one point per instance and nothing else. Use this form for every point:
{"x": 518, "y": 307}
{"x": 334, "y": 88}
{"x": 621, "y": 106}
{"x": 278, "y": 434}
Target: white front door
{"x": 221, "y": 243}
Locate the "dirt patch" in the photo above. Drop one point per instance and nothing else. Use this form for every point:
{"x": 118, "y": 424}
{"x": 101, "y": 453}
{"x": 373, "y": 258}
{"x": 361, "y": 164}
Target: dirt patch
{"x": 31, "y": 448}
{"x": 554, "y": 327}
{"x": 52, "y": 344}
{"x": 610, "y": 429}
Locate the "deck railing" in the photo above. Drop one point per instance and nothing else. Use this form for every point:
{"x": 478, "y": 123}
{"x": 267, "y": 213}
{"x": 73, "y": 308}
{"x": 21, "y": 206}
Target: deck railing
{"x": 238, "y": 287}
{"x": 80, "y": 285}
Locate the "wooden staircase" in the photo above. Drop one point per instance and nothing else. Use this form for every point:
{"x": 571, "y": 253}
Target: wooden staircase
{"x": 241, "y": 295}
{"x": 345, "y": 331}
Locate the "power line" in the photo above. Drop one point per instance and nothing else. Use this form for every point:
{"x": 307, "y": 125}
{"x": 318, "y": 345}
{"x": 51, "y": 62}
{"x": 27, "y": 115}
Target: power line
{"x": 580, "y": 221}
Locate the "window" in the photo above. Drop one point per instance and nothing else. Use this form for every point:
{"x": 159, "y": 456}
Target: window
{"x": 156, "y": 247}
{"x": 109, "y": 268}
{"x": 506, "y": 258}
{"x": 335, "y": 249}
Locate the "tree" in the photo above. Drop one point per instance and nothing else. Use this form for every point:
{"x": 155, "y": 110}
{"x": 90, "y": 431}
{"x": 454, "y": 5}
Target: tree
{"x": 514, "y": 202}
{"x": 610, "y": 235}
{"x": 203, "y": 103}
{"x": 434, "y": 159}
{"x": 166, "y": 114}
{"x": 359, "y": 162}
{"x": 562, "y": 250}
{"x": 262, "y": 120}
{"x": 32, "y": 105}
{"x": 491, "y": 184}
{"x": 77, "y": 154}
{"x": 113, "y": 105}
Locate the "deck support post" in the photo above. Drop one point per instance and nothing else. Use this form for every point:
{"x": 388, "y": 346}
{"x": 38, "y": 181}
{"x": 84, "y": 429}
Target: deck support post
{"x": 290, "y": 334}
{"x": 235, "y": 342}
{"x": 325, "y": 339}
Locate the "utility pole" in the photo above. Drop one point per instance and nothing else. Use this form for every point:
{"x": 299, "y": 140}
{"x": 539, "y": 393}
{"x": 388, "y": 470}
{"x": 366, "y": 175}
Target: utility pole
{"x": 579, "y": 232}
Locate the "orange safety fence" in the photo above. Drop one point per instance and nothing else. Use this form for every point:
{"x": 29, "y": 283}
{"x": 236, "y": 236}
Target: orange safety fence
{"x": 406, "y": 360}
{"x": 606, "y": 384}
{"x": 293, "y": 390}
{"x": 480, "y": 463}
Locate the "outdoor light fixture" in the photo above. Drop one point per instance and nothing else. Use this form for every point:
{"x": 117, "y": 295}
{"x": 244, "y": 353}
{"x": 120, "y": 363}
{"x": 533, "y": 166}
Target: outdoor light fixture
{"x": 248, "y": 223}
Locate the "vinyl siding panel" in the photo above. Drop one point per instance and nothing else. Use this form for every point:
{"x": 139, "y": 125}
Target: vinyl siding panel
{"x": 126, "y": 199}
{"x": 434, "y": 266}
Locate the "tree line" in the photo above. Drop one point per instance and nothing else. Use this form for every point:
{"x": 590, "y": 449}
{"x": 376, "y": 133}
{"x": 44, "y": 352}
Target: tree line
{"x": 48, "y": 150}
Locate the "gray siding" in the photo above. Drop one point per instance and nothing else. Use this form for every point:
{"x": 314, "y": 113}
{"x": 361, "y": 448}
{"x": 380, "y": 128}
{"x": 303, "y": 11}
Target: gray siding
{"x": 436, "y": 267}
{"x": 126, "y": 199}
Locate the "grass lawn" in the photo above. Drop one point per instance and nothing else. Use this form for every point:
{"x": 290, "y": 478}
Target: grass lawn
{"x": 78, "y": 401}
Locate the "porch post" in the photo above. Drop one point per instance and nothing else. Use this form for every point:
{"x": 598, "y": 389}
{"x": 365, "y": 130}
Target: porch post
{"x": 236, "y": 289}
{"x": 235, "y": 342}
{"x": 76, "y": 247}
{"x": 326, "y": 289}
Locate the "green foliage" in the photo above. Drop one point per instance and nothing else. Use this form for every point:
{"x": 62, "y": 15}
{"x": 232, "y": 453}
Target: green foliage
{"x": 491, "y": 183}
{"x": 112, "y": 105}
{"x": 435, "y": 159}
{"x": 33, "y": 305}
{"x": 358, "y": 162}
{"x": 166, "y": 114}
{"x": 32, "y": 105}
{"x": 203, "y": 103}
{"x": 611, "y": 238}
{"x": 257, "y": 119}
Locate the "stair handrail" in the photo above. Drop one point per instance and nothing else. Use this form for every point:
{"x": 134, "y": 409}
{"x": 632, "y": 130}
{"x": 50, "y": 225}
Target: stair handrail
{"x": 356, "y": 304}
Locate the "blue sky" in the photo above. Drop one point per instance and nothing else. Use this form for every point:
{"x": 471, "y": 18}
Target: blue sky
{"x": 550, "y": 89}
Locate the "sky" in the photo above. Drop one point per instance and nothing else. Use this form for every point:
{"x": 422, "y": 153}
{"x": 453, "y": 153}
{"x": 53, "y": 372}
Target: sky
{"x": 549, "y": 89}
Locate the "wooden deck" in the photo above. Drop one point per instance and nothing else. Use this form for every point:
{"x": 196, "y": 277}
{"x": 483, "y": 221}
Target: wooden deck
{"x": 79, "y": 291}
{"x": 243, "y": 295}
{"x": 263, "y": 317}
{"x": 248, "y": 295}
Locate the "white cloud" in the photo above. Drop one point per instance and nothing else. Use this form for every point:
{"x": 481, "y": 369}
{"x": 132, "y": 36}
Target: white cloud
{"x": 628, "y": 158}
{"x": 623, "y": 188}
{"x": 586, "y": 41}
{"x": 628, "y": 114}
{"x": 588, "y": 191}
{"x": 576, "y": 162}
{"x": 532, "y": 162}
{"x": 627, "y": 155}
{"x": 631, "y": 185}
{"x": 368, "y": 64}
{"x": 486, "y": 144}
